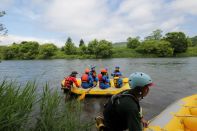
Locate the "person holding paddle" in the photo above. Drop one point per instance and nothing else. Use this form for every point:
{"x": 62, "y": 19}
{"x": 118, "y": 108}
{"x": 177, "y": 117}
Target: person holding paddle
{"x": 123, "y": 110}
{"x": 69, "y": 80}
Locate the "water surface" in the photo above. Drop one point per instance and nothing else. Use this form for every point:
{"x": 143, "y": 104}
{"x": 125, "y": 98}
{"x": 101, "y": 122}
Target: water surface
{"x": 174, "y": 78}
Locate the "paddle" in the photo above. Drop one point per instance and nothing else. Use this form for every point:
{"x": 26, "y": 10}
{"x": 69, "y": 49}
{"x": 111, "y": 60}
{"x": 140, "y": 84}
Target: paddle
{"x": 82, "y": 96}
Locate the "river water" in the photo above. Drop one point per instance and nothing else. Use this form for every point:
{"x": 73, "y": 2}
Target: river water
{"x": 174, "y": 78}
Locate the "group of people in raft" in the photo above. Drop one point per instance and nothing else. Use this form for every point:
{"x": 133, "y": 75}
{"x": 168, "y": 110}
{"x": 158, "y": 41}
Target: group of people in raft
{"x": 90, "y": 79}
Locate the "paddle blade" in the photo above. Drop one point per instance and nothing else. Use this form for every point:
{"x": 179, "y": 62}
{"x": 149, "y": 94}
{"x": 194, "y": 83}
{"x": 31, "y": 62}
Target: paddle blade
{"x": 82, "y": 96}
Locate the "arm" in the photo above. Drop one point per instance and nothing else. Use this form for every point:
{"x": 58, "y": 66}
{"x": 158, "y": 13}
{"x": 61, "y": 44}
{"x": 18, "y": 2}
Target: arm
{"x": 75, "y": 81}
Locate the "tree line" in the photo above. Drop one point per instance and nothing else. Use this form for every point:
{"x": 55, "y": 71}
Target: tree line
{"x": 170, "y": 44}
{"x": 162, "y": 46}
{"x": 33, "y": 50}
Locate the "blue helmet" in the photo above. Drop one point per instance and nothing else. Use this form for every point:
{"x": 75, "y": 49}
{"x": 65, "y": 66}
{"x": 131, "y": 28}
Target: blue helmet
{"x": 117, "y": 67}
{"x": 139, "y": 79}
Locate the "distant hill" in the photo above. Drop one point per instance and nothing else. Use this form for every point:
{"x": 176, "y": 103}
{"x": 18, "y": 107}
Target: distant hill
{"x": 120, "y": 44}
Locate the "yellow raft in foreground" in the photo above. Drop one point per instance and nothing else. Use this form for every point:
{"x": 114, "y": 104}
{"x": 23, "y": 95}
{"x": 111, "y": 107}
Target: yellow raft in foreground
{"x": 180, "y": 116}
{"x": 97, "y": 91}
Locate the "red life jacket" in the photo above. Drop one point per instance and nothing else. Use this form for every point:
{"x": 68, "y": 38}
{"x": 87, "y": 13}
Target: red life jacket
{"x": 100, "y": 77}
{"x": 68, "y": 82}
{"x": 84, "y": 78}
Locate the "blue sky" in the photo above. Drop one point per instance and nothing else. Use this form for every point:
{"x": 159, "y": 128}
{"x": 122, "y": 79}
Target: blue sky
{"x": 115, "y": 20}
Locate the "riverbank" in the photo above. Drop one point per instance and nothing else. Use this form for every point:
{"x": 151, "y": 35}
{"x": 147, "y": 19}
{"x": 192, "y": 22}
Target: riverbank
{"x": 124, "y": 52}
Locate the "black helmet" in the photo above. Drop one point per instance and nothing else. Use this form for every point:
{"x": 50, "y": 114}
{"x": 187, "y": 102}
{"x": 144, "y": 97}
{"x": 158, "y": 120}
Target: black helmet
{"x": 74, "y": 72}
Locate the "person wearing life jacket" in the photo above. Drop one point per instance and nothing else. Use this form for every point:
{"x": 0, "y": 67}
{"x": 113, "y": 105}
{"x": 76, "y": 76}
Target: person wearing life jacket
{"x": 123, "y": 111}
{"x": 103, "y": 79}
{"x": 68, "y": 83}
{"x": 86, "y": 79}
{"x": 93, "y": 74}
{"x": 117, "y": 77}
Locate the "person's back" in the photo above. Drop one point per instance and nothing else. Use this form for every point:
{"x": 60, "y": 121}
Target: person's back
{"x": 122, "y": 114}
{"x": 103, "y": 79}
{"x": 117, "y": 77}
{"x": 93, "y": 74}
{"x": 69, "y": 80}
{"x": 123, "y": 110}
{"x": 86, "y": 80}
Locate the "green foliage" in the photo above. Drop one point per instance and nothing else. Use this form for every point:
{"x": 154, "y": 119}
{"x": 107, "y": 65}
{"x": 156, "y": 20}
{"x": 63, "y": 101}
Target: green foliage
{"x": 28, "y": 50}
{"x": 156, "y": 35}
{"x": 133, "y": 42}
{"x": 178, "y": 41}
{"x": 101, "y": 49}
{"x": 124, "y": 52}
{"x": 194, "y": 41}
{"x": 159, "y": 48}
{"x": 83, "y": 50}
{"x": 191, "y": 51}
{"x": 16, "y": 105}
{"x": 47, "y": 51}
{"x": 69, "y": 47}
{"x": 23, "y": 108}
{"x": 92, "y": 46}
{"x": 6, "y": 53}
{"x": 81, "y": 43}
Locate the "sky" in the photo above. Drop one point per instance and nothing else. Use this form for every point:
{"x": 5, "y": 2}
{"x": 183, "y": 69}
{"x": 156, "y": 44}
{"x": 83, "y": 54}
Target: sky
{"x": 53, "y": 21}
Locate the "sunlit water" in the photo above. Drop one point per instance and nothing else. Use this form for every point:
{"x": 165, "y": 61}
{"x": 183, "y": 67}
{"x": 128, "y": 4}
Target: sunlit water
{"x": 174, "y": 78}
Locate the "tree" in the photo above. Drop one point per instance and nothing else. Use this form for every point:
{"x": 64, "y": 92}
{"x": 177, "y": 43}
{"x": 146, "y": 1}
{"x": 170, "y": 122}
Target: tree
{"x": 83, "y": 49}
{"x": 194, "y": 41}
{"x": 3, "y": 30}
{"x": 133, "y": 42}
{"x": 47, "y": 50}
{"x": 69, "y": 47}
{"x": 81, "y": 43}
{"x": 178, "y": 41}
{"x": 104, "y": 49}
{"x": 160, "y": 48}
{"x": 92, "y": 47}
{"x": 28, "y": 49}
{"x": 155, "y": 35}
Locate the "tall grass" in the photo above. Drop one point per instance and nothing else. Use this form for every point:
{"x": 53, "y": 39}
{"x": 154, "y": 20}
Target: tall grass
{"x": 15, "y": 105}
{"x": 19, "y": 105}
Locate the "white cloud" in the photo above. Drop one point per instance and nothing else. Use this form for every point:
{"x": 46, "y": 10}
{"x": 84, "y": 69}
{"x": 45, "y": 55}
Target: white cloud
{"x": 7, "y": 40}
{"x": 185, "y": 6}
{"x": 89, "y": 19}
{"x": 5, "y": 4}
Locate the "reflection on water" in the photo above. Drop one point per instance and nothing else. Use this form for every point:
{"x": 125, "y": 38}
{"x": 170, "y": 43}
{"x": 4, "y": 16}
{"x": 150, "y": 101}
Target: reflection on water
{"x": 174, "y": 78}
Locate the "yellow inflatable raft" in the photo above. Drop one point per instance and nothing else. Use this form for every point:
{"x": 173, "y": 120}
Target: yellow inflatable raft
{"x": 97, "y": 91}
{"x": 179, "y": 116}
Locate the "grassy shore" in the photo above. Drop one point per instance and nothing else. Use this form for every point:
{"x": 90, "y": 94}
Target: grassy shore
{"x": 23, "y": 108}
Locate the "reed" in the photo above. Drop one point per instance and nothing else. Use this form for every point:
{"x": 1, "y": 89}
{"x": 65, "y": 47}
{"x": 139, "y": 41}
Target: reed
{"x": 21, "y": 105}
{"x": 15, "y": 104}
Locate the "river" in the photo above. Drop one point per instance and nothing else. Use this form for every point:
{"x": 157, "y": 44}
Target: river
{"x": 174, "y": 78}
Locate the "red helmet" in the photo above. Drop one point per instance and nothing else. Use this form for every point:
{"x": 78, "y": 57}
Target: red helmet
{"x": 87, "y": 70}
{"x": 104, "y": 70}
